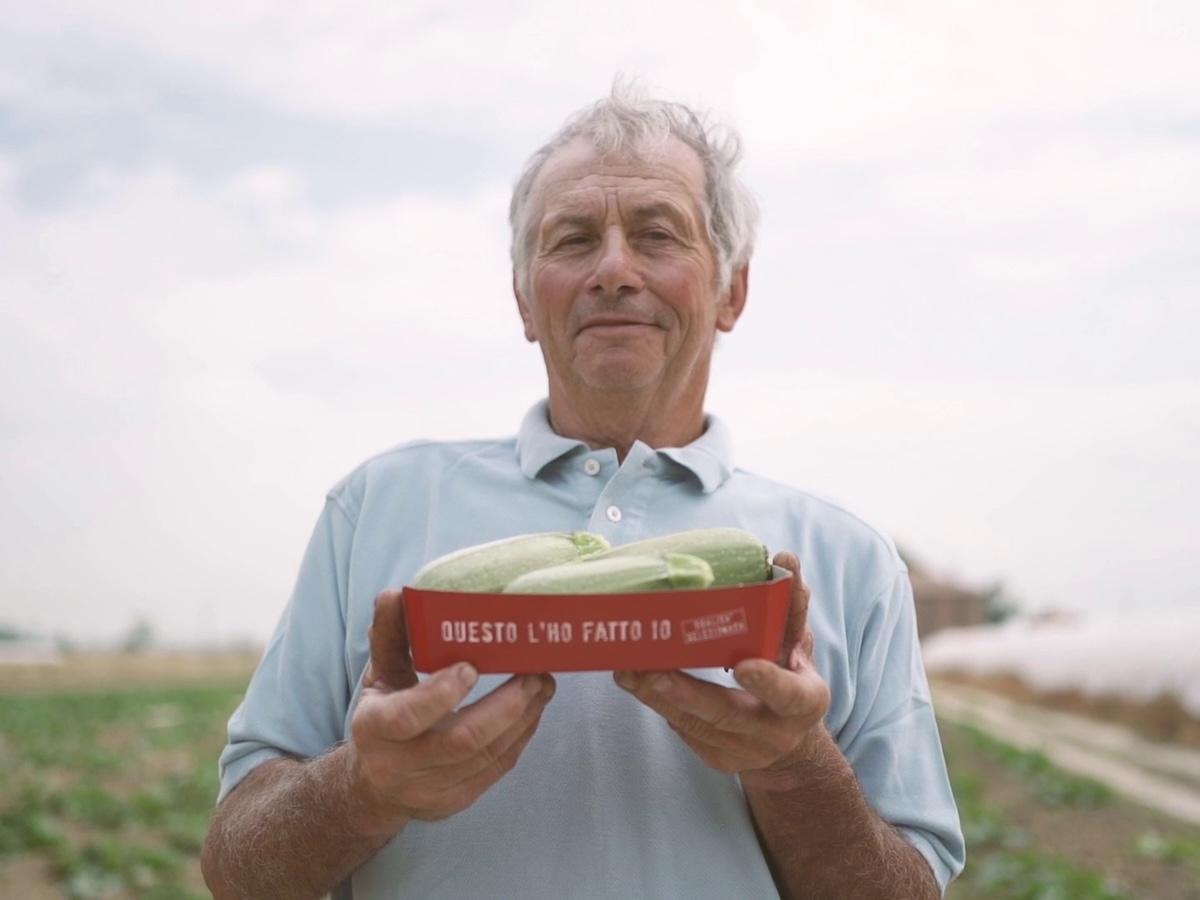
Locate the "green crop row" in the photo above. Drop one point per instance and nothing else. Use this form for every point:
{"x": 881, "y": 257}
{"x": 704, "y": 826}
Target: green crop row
{"x": 1003, "y": 861}
{"x": 1002, "y": 864}
{"x": 1047, "y": 782}
{"x": 112, "y": 790}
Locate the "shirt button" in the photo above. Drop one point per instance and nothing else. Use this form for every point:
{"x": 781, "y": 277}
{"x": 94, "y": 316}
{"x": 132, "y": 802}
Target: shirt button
{"x": 592, "y": 466}
{"x": 613, "y": 513}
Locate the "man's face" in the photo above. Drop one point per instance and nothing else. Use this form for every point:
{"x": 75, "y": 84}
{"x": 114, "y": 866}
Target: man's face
{"x": 622, "y": 287}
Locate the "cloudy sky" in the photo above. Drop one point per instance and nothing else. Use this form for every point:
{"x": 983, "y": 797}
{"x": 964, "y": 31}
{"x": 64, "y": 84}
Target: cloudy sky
{"x": 244, "y": 245}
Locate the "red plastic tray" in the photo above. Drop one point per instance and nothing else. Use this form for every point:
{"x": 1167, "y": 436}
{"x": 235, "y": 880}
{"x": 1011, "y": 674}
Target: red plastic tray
{"x": 680, "y": 629}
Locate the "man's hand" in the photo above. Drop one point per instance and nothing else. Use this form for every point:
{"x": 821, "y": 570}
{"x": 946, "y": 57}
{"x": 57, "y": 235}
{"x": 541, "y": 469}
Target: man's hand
{"x": 763, "y": 730}
{"x": 415, "y": 757}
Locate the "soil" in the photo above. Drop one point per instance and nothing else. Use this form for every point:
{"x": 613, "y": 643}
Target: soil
{"x": 98, "y": 671}
{"x": 28, "y": 877}
{"x": 1101, "y": 839}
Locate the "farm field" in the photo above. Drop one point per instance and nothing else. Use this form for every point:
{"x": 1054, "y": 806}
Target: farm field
{"x": 1037, "y": 832}
{"x": 107, "y": 777}
{"x": 108, "y": 773}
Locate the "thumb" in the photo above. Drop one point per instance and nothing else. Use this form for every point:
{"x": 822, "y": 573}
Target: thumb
{"x": 391, "y": 663}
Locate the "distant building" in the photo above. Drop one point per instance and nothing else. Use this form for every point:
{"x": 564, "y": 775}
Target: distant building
{"x": 942, "y": 604}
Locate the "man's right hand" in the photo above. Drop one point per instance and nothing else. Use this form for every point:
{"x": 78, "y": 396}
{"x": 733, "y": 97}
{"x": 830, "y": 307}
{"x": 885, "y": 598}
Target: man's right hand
{"x": 414, "y": 755}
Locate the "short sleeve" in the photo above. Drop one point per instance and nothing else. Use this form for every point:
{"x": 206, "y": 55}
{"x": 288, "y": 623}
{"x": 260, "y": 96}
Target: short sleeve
{"x": 297, "y": 700}
{"x": 891, "y": 737}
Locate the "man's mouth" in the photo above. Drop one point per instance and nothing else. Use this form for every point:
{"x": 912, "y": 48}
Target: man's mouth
{"x": 614, "y": 325}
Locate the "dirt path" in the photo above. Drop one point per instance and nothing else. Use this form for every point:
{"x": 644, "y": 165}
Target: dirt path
{"x": 1163, "y": 777}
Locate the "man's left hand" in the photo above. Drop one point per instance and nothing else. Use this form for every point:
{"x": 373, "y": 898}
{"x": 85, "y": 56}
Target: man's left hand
{"x": 766, "y": 728}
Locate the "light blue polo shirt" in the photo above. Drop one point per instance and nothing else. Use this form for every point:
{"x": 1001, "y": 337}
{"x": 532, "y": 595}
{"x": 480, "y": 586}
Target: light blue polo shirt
{"x": 606, "y": 802}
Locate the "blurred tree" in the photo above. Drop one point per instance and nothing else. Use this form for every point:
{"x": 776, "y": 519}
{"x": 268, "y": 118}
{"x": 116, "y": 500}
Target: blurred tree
{"x": 139, "y": 637}
{"x": 1001, "y": 605}
{"x": 63, "y": 643}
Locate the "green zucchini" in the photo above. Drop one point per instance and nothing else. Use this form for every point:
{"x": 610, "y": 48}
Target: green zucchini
{"x": 736, "y": 556}
{"x": 487, "y": 568}
{"x": 617, "y": 575}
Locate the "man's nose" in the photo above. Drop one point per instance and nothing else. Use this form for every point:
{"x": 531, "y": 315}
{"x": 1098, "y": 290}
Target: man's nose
{"x": 617, "y": 268}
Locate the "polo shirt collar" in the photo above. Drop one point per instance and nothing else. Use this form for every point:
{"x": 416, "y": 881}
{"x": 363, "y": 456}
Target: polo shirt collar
{"x": 538, "y": 444}
{"x": 709, "y": 457}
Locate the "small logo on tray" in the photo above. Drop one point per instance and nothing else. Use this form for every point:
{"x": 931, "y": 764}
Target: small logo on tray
{"x": 714, "y": 627}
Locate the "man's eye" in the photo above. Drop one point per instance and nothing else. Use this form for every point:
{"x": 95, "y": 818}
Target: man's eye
{"x": 573, "y": 240}
{"x": 658, "y": 234}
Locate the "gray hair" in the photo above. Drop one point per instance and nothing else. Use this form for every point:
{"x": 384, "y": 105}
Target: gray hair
{"x": 626, "y": 122}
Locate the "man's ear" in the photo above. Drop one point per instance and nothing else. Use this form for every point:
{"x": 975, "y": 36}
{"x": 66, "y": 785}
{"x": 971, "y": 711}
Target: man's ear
{"x": 734, "y": 300}
{"x": 523, "y": 309}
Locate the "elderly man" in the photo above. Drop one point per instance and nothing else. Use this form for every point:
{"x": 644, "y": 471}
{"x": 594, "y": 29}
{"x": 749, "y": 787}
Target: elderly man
{"x": 818, "y": 774}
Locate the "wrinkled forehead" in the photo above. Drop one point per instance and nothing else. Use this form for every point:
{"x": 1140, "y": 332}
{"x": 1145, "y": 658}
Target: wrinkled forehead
{"x": 576, "y": 170}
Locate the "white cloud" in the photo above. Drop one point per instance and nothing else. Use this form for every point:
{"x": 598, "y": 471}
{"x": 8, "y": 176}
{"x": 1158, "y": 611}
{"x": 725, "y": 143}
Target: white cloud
{"x": 950, "y": 327}
{"x": 842, "y": 81}
{"x": 366, "y": 61}
{"x": 854, "y": 82}
{"x": 1076, "y": 496}
{"x": 1076, "y": 181}
{"x": 216, "y": 356}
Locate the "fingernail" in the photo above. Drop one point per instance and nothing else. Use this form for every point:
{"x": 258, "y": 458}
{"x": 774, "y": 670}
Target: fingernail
{"x": 661, "y": 684}
{"x": 750, "y": 679}
{"x": 624, "y": 679}
{"x": 548, "y": 689}
{"x": 466, "y": 674}
{"x": 531, "y": 685}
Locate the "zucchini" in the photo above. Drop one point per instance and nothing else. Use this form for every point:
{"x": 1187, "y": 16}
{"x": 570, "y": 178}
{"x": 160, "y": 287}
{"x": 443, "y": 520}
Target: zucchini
{"x": 617, "y": 575}
{"x": 736, "y": 556}
{"x": 487, "y": 568}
